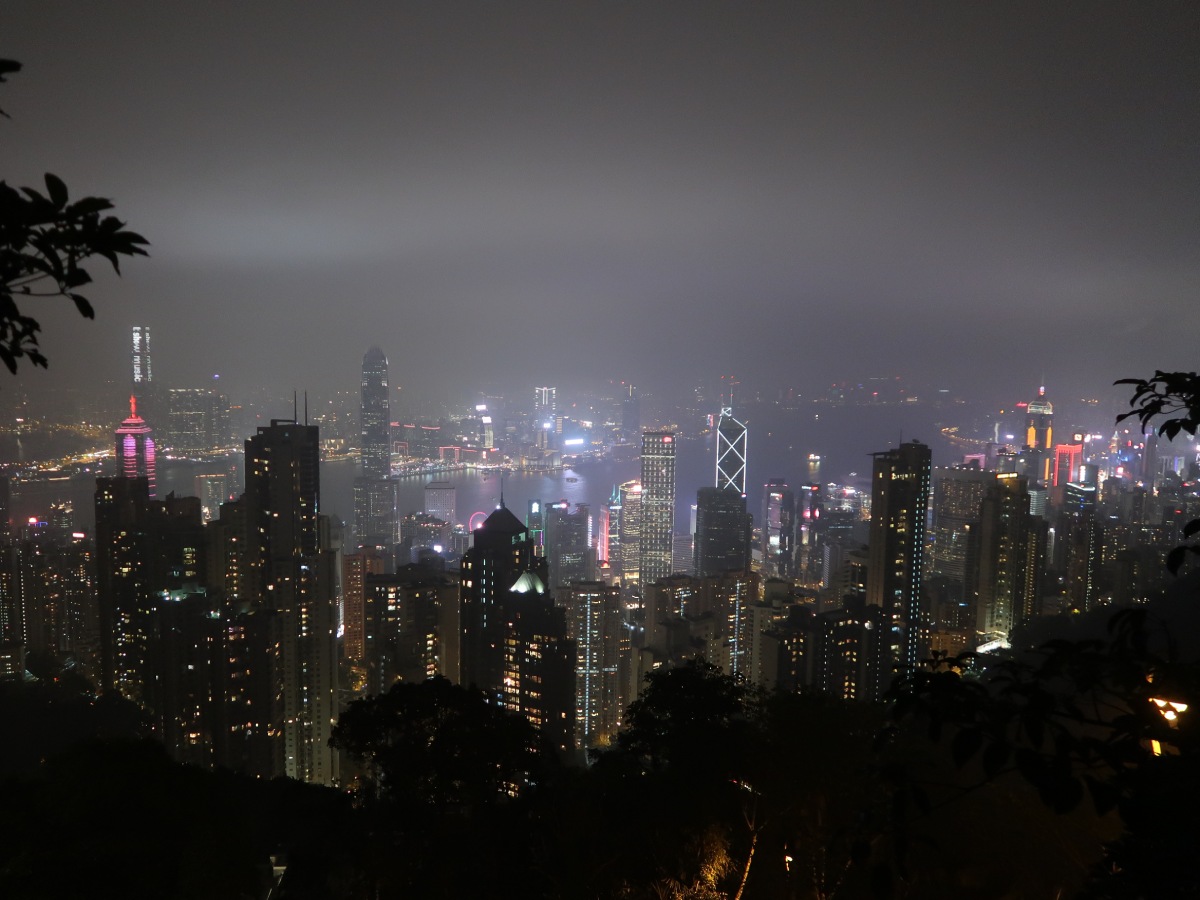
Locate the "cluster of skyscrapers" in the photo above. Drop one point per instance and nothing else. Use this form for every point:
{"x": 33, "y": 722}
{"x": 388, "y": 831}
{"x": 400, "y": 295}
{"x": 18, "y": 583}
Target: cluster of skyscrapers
{"x": 243, "y": 632}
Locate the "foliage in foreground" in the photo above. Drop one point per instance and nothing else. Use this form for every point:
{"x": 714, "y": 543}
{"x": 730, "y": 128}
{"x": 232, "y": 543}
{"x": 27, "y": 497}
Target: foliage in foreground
{"x": 45, "y": 240}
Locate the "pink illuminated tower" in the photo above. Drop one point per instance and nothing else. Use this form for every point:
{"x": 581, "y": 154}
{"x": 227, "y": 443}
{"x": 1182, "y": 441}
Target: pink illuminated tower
{"x": 135, "y": 447}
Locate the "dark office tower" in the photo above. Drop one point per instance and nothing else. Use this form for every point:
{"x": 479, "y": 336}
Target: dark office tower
{"x": 375, "y": 449}
{"x": 722, "y": 532}
{"x": 1005, "y": 584}
{"x": 957, "y": 493}
{"x": 501, "y": 561}
{"x": 135, "y": 448}
{"x": 570, "y": 555}
{"x": 778, "y": 529}
{"x": 899, "y": 501}
{"x": 731, "y": 452}
{"x": 631, "y": 416}
{"x": 292, "y": 565}
{"x": 658, "y": 505}
{"x": 1039, "y": 436}
{"x": 594, "y": 623}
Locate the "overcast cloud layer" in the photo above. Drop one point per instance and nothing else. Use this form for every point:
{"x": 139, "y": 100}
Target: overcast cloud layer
{"x": 498, "y": 193}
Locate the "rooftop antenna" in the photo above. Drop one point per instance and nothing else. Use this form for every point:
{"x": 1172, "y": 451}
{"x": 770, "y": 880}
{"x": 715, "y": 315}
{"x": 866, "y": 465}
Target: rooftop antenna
{"x": 502, "y": 489}
{"x": 293, "y": 406}
{"x": 306, "y": 407}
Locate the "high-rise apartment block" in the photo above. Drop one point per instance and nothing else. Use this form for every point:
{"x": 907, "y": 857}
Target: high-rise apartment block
{"x": 1008, "y": 546}
{"x": 900, "y": 487}
{"x": 514, "y": 640}
{"x": 595, "y": 624}
{"x": 291, "y": 567}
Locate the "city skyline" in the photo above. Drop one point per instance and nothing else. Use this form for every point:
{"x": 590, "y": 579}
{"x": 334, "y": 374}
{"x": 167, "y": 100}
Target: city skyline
{"x": 902, "y": 184}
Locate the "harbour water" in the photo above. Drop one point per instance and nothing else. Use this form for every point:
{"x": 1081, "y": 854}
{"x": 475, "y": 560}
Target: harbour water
{"x": 782, "y": 444}
{"x": 832, "y": 444}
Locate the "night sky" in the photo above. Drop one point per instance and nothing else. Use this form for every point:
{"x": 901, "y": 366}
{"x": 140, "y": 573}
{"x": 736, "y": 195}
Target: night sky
{"x": 513, "y": 193}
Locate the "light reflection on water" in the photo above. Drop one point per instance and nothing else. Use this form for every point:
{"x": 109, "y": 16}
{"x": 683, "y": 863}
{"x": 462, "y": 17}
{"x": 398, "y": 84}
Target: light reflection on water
{"x": 779, "y": 447}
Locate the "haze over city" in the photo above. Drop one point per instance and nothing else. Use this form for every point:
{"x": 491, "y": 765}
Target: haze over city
{"x": 625, "y": 450}
{"x": 968, "y": 196}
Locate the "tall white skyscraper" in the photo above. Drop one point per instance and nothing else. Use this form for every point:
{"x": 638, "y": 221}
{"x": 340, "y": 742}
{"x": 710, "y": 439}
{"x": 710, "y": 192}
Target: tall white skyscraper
{"x": 731, "y": 452}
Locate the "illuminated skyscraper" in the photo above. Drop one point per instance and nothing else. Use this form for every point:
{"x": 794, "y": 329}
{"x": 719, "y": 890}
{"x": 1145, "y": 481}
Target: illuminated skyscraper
{"x": 594, "y": 623}
{"x": 441, "y": 501}
{"x": 375, "y": 512}
{"x": 1039, "y": 436}
{"x": 197, "y": 420}
{"x": 135, "y": 447}
{"x": 375, "y": 451}
{"x": 545, "y": 403}
{"x": 1068, "y": 460}
{"x": 899, "y": 501}
{"x": 629, "y": 532}
{"x": 778, "y": 529}
{"x": 658, "y": 505}
{"x": 731, "y": 452}
{"x": 375, "y": 490}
